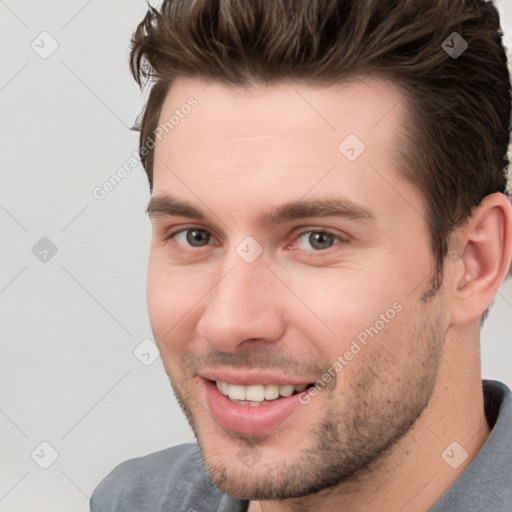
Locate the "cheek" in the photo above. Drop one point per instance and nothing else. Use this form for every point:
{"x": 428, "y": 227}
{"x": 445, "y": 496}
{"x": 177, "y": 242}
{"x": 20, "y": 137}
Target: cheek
{"x": 338, "y": 308}
{"x": 173, "y": 299}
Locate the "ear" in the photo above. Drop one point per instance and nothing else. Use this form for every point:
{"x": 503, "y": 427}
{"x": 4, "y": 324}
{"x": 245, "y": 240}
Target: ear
{"x": 484, "y": 246}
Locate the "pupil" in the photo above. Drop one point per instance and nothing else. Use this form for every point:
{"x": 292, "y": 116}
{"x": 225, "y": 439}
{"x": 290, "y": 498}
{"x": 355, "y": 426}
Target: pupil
{"x": 320, "y": 240}
{"x": 197, "y": 237}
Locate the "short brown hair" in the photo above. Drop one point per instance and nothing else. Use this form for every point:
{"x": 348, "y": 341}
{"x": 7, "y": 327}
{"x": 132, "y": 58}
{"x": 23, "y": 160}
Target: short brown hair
{"x": 455, "y": 147}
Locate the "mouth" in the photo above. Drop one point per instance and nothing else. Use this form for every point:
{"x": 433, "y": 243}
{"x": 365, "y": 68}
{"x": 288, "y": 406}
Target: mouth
{"x": 259, "y": 394}
{"x": 253, "y": 409}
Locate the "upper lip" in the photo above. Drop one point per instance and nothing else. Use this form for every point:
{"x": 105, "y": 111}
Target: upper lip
{"x": 252, "y": 378}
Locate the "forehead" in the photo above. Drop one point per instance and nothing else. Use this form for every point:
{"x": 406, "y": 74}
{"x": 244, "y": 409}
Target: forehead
{"x": 258, "y": 110}
{"x": 277, "y": 143}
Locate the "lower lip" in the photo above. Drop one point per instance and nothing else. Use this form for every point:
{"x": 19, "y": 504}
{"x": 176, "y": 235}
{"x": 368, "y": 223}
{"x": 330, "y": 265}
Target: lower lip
{"x": 245, "y": 419}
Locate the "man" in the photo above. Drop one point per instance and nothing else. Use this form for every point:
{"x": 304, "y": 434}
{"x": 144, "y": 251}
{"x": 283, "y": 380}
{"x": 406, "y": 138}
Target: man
{"x": 330, "y": 225}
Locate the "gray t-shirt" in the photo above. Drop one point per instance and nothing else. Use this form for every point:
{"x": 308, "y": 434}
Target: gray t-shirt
{"x": 176, "y": 480}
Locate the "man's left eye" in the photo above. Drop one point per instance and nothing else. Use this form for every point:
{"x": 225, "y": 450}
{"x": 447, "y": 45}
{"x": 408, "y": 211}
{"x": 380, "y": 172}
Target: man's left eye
{"x": 318, "y": 240}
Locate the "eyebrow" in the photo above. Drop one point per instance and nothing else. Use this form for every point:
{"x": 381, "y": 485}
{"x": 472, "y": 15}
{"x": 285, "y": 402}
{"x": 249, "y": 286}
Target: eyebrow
{"x": 159, "y": 206}
{"x": 326, "y": 207}
{"x": 164, "y": 205}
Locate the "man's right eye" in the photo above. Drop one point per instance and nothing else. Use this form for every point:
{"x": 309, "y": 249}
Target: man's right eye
{"x": 192, "y": 237}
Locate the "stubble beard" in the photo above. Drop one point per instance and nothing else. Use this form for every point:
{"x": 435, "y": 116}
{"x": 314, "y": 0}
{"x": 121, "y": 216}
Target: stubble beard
{"x": 377, "y": 409}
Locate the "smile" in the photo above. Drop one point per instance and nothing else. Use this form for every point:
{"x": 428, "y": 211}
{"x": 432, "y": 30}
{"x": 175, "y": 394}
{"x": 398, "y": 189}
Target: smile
{"x": 257, "y": 395}
{"x": 252, "y": 408}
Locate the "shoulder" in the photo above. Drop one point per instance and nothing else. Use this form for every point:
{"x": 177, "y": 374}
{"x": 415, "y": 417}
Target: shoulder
{"x": 152, "y": 483}
{"x": 486, "y": 484}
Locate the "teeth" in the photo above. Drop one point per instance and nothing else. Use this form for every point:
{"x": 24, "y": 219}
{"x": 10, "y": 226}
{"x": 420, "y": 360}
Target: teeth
{"x": 286, "y": 390}
{"x": 271, "y": 392}
{"x": 236, "y": 392}
{"x": 255, "y": 393}
{"x": 251, "y": 395}
{"x": 223, "y": 387}
{"x": 249, "y": 403}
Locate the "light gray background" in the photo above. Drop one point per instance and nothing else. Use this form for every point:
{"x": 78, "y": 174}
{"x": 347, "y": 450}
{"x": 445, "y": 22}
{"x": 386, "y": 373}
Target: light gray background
{"x": 69, "y": 376}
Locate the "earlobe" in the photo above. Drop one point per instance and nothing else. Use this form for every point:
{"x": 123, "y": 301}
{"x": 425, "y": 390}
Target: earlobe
{"x": 484, "y": 259}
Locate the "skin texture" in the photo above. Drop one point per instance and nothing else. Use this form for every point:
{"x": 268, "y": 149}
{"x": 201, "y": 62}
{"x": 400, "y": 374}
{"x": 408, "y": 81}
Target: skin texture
{"x": 373, "y": 438}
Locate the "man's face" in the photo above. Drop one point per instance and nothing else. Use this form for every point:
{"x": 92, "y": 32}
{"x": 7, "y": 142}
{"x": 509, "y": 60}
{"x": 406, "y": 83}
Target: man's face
{"x": 260, "y": 296}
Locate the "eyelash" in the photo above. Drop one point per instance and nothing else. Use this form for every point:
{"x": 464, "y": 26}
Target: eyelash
{"x": 296, "y": 236}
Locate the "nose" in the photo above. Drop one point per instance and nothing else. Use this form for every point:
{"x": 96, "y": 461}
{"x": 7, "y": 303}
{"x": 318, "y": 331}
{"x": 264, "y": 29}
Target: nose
{"x": 244, "y": 305}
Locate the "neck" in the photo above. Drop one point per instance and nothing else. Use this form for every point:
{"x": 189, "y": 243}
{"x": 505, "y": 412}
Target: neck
{"x": 424, "y": 463}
